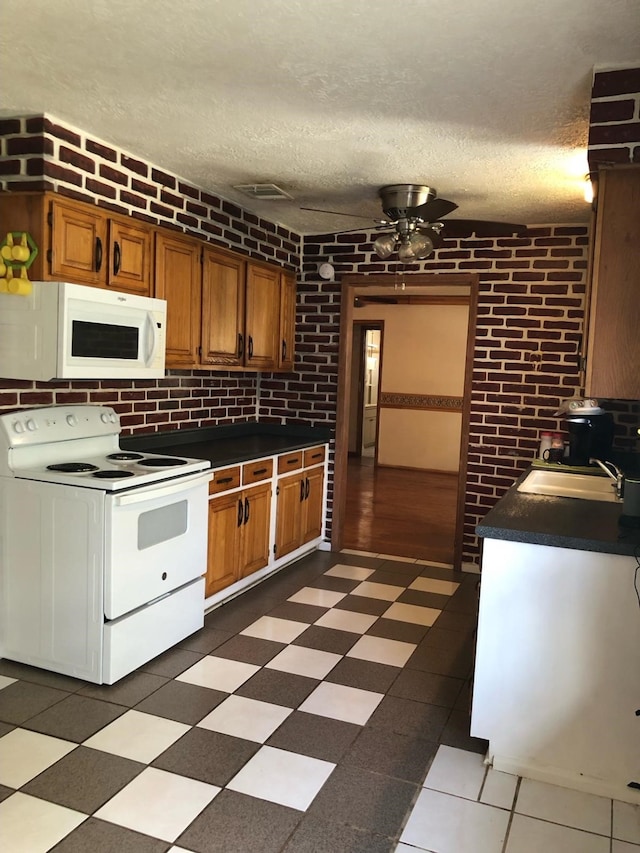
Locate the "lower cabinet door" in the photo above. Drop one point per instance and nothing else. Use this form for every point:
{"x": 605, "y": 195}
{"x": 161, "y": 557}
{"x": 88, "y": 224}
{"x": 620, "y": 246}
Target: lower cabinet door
{"x": 312, "y": 515}
{"x": 291, "y": 492}
{"x": 255, "y": 528}
{"x": 226, "y": 520}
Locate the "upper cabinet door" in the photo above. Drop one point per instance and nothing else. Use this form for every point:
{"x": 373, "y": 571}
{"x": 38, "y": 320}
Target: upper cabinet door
{"x": 287, "y": 321}
{"x": 223, "y": 289}
{"x": 262, "y": 317}
{"x": 613, "y": 346}
{"x": 130, "y": 248}
{"x": 178, "y": 281}
{"x": 79, "y": 243}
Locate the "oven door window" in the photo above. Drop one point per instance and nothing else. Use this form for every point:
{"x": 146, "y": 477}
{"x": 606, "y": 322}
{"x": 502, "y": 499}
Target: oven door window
{"x": 161, "y": 524}
{"x": 104, "y": 340}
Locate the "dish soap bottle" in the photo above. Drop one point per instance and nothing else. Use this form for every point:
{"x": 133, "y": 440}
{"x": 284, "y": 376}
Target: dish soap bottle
{"x": 545, "y": 444}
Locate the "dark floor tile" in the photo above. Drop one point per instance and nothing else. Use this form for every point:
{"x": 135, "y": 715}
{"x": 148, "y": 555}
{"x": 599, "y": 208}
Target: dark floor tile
{"x": 358, "y": 560}
{"x": 364, "y": 800}
{"x": 172, "y": 662}
{"x": 363, "y": 674}
{"x": 391, "y": 578}
{"x": 464, "y": 601}
{"x": 327, "y": 639}
{"x": 279, "y": 688}
{"x": 22, "y": 700}
{"x": 362, "y": 604}
{"x": 456, "y": 733}
{"x": 5, "y": 728}
{"x": 249, "y": 649}
{"x": 424, "y": 599}
{"x": 236, "y": 823}
{"x": 415, "y": 719}
{"x": 316, "y": 835}
{"x": 394, "y": 629}
{"x": 298, "y": 612}
{"x": 463, "y": 702}
{"x": 231, "y": 617}
{"x": 442, "y": 638}
{"x": 456, "y": 621}
{"x": 426, "y": 687}
{"x": 440, "y": 573}
{"x": 315, "y": 736}
{"x": 334, "y": 584}
{"x": 98, "y": 836}
{"x": 34, "y": 674}
{"x": 5, "y": 792}
{"x": 392, "y": 754}
{"x": 84, "y": 779}
{"x": 453, "y": 661}
{"x": 182, "y": 702}
{"x": 75, "y": 718}
{"x": 207, "y": 756}
{"x": 128, "y": 691}
{"x": 205, "y": 640}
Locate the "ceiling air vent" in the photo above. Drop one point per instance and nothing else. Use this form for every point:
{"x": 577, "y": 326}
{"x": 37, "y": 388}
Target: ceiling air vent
{"x": 268, "y": 192}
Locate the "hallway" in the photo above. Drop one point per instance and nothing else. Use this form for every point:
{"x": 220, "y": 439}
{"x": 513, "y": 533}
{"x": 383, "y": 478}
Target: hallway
{"x": 400, "y": 511}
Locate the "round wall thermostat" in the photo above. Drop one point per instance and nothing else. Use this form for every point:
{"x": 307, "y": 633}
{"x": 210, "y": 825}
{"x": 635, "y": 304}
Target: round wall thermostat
{"x": 326, "y": 271}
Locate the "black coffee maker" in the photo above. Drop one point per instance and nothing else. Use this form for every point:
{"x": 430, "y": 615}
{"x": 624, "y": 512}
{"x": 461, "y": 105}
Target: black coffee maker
{"x": 590, "y": 436}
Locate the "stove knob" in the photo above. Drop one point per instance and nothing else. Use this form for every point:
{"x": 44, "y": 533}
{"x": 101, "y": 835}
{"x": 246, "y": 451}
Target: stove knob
{"x": 32, "y": 426}
{"x": 18, "y": 427}
{"x": 72, "y": 420}
{"x": 104, "y": 417}
{"x": 112, "y": 417}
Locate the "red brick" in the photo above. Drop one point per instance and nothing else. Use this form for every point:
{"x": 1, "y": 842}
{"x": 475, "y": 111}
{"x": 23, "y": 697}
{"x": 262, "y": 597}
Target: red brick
{"x": 608, "y": 134}
{"x": 75, "y": 158}
{"x": 100, "y": 150}
{"x": 617, "y": 82}
{"x": 134, "y": 165}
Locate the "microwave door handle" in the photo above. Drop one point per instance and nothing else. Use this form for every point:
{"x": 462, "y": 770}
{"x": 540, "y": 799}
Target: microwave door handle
{"x": 153, "y": 338}
{"x": 144, "y": 494}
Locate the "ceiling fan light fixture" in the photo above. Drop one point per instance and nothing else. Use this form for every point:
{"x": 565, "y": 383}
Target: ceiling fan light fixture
{"x": 384, "y": 245}
{"x": 415, "y": 247}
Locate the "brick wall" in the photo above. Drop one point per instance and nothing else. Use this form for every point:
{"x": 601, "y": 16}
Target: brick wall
{"x": 41, "y": 153}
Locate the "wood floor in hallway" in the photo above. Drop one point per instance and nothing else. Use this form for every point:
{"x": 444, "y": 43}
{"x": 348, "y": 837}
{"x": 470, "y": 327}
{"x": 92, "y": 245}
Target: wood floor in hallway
{"x": 399, "y": 511}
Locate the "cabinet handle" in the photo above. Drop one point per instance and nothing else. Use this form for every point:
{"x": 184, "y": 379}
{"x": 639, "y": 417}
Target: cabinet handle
{"x": 240, "y": 512}
{"x": 258, "y": 471}
{"x": 306, "y": 488}
{"x": 301, "y": 490}
{"x": 224, "y": 480}
{"x": 246, "y": 510}
{"x": 116, "y": 258}
{"x": 316, "y": 455}
{"x": 98, "y": 254}
{"x": 293, "y": 461}
{"x": 284, "y": 349}
{"x": 250, "y": 346}
{"x": 240, "y": 345}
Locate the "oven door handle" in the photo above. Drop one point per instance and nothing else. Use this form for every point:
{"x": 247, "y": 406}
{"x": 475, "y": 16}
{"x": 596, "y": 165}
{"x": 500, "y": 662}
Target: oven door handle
{"x": 148, "y": 493}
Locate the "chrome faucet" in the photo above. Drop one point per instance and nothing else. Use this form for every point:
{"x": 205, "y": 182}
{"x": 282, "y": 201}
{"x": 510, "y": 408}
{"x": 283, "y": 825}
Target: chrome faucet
{"x": 618, "y": 477}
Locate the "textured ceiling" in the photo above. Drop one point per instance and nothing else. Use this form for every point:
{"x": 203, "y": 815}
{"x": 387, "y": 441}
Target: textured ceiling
{"x": 486, "y": 100}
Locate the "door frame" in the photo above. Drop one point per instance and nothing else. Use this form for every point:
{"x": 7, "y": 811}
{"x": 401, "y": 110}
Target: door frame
{"x": 351, "y": 284}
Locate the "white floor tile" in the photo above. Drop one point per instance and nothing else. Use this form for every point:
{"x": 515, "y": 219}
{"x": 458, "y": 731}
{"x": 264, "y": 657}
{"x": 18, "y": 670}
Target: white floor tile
{"x": 433, "y": 585}
{"x": 5, "y": 681}
{"x": 528, "y": 835}
{"x": 354, "y": 573}
{"x": 433, "y": 563}
{"x": 218, "y": 673}
{"x": 499, "y": 789}
{"x": 358, "y": 553}
{"x": 271, "y": 628}
{"x": 25, "y": 754}
{"x": 383, "y": 591}
{"x": 397, "y": 558}
{"x": 565, "y": 806}
{"x": 624, "y": 847}
{"x": 449, "y": 824}
{"x": 626, "y": 822}
{"x": 346, "y": 620}
{"x": 141, "y": 737}
{"x": 381, "y": 650}
{"x": 282, "y": 777}
{"x": 245, "y": 718}
{"x": 158, "y": 803}
{"x": 413, "y": 613}
{"x": 316, "y": 596}
{"x": 31, "y": 825}
{"x": 338, "y": 702}
{"x": 456, "y": 771}
{"x": 302, "y": 661}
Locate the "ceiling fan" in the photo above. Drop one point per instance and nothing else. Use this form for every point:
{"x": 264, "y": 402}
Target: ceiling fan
{"x": 415, "y": 212}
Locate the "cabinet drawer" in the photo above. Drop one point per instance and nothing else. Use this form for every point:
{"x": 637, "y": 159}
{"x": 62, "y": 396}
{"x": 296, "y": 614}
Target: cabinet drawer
{"x": 253, "y": 472}
{"x": 225, "y": 479}
{"x": 314, "y": 456}
{"x": 289, "y": 462}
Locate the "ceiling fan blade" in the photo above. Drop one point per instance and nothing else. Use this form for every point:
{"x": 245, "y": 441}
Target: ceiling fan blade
{"x": 434, "y": 209}
{"x": 482, "y": 228}
{"x": 353, "y": 215}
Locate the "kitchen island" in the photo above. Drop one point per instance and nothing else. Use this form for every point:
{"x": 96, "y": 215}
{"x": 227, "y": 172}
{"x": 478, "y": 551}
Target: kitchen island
{"x": 557, "y": 675}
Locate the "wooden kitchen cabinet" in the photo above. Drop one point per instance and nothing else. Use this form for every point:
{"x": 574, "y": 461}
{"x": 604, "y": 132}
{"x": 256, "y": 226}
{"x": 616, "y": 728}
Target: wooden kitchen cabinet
{"x": 178, "y": 280}
{"x": 262, "y": 317}
{"x": 223, "y": 300}
{"x": 80, "y": 242}
{"x": 612, "y": 342}
{"x": 300, "y": 502}
{"x": 287, "y": 320}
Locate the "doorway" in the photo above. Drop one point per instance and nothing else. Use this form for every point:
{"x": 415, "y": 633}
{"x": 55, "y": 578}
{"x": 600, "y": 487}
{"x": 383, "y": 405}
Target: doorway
{"x": 417, "y": 289}
{"x": 366, "y": 369}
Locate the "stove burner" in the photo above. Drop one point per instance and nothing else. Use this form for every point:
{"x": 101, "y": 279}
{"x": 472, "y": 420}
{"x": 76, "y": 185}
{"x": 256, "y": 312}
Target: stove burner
{"x": 112, "y": 475}
{"x": 72, "y": 467}
{"x": 124, "y": 456}
{"x": 161, "y": 462}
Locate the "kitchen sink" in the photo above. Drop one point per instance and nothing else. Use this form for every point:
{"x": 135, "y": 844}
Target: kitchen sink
{"x": 563, "y": 484}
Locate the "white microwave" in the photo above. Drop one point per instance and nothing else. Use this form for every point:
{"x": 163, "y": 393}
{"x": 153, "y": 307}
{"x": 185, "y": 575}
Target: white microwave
{"x": 71, "y": 331}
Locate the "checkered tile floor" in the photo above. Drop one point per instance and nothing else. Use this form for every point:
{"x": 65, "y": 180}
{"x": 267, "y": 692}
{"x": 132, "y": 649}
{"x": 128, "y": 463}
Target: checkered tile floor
{"x": 302, "y": 718}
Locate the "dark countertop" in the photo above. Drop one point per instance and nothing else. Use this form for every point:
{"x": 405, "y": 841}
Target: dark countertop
{"x": 228, "y": 445}
{"x": 563, "y": 522}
